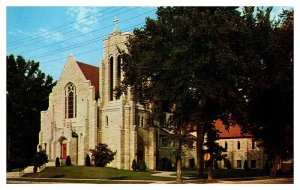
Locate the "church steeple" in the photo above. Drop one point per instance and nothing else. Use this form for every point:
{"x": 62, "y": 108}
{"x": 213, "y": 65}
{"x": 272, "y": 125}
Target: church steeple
{"x": 116, "y": 30}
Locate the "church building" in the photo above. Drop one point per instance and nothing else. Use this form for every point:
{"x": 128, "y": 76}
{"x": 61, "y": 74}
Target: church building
{"x": 83, "y": 112}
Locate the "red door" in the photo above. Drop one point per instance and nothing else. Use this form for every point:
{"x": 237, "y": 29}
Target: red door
{"x": 64, "y": 151}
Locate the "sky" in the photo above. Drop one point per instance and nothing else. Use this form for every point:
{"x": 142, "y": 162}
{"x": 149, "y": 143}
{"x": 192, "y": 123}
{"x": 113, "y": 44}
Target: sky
{"x": 50, "y": 34}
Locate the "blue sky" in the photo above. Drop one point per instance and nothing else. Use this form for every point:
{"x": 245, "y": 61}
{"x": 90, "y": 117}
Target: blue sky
{"x": 50, "y": 34}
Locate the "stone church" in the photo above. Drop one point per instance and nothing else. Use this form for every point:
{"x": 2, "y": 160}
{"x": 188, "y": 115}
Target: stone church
{"x": 83, "y": 112}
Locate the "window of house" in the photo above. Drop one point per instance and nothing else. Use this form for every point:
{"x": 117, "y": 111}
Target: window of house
{"x": 226, "y": 145}
{"x": 142, "y": 122}
{"x": 111, "y": 79}
{"x": 70, "y": 101}
{"x": 238, "y": 145}
{"x": 238, "y": 164}
{"x": 253, "y": 163}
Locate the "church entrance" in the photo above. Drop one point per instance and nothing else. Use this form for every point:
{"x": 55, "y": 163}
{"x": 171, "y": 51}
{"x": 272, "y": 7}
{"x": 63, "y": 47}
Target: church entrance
{"x": 64, "y": 151}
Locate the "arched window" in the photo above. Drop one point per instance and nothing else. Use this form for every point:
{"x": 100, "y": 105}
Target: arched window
{"x": 70, "y": 101}
{"x": 118, "y": 73}
{"x": 238, "y": 145}
{"x": 111, "y": 79}
{"x": 119, "y": 70}
{"x": 226, "y": 145}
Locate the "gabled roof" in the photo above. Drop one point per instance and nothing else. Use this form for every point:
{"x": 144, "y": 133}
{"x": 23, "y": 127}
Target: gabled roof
{"x": 233, "y": 131}
{"x": 91, "y": 73}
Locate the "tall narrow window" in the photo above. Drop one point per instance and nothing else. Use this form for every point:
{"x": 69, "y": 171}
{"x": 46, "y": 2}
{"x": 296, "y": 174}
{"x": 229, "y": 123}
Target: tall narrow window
{"x": 253, "y": 144}
{"x": 118, "y": 73}
{"x": 226, "y": 145}
{"x": 111, "y": 79}
{"x": 70, "y": 101}
{"x": 106, "y": 118}
{"x": 238, "y": 145}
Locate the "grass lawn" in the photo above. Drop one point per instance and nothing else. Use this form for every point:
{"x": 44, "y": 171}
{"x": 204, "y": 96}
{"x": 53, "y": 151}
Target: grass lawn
{"x": 225, "y": 173}
{"x": 82, "y": 172}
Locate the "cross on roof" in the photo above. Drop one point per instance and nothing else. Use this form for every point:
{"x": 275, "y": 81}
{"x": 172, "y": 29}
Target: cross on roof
{"x": 116, "y": 22}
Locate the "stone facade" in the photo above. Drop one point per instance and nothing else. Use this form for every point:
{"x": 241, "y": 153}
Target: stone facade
{"x": 74, "y": 124}
{"x": 83, "y": 112}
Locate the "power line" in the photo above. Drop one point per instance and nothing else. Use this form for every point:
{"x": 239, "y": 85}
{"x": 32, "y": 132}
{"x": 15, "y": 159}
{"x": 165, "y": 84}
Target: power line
{"x": 128, "y": 29}
{"x": 62, "y": 25}
{"x": 22, "y": 45}
{"x": 85, "y": 52}
{"x": 87, "y": 33}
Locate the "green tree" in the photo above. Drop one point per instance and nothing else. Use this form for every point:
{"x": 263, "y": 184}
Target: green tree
{"x": 269, "y": 86}
{"x": 184, "y": 64}
{"x": 27, "y": 94}
{"x": 102, "y": 155}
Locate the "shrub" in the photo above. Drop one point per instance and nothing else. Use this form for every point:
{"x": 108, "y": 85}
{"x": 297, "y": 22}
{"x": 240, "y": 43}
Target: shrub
{"x": 57, "y": 162}
{"x": 192, "y": 163}
{"x": 246, "y": 166}
{"x": 68, "y": 161}
{"x": 87, "y": 160}
{"x": 102, "y": 155}
{"x": 134, "y": 165}
{"x": 227, "y": 164}
{"x": 216, "y": 165}
{"x": 142, "y": 165}
{"x": 39, "y": 159}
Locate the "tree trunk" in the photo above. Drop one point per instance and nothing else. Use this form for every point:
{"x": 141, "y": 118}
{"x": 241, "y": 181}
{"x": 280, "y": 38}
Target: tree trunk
{"x": 199, "y": 152}
{"x": 179, "y": 164}
{"x": 210, "y": 177}
{"x": 275, "y": 165}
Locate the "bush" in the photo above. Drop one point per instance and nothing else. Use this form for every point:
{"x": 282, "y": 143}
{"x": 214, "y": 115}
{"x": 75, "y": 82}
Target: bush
{"x": 165, "y": 164}
{"x": 102, "y": 155}
{"x": 192, "y": 163}
{"x": 216, "y": 165}
{"x": 142, "y": 165}
{"x": 57, "y": 162}
{"x": 246, "y": 166}
{"x": 39, "y": 159}
{"x": 68, "y": 161}
{"x": 134, "y": 165}
{"x": 87, "y": 160}
{"x": 227, "y": 164}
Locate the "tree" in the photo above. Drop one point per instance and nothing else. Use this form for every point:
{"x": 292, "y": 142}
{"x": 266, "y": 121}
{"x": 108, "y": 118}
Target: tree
{"x": 269, "y": 86}
{"x": 102, "y": 155}
{"x": 39, "y": 159}
{"x": 184, "y": 65}
{"x": 27, "y": 94}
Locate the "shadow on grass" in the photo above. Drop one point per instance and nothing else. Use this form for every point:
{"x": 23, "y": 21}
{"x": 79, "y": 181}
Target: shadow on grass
{"x": 118, "y": 178}
{"x": 58, "y": 176}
